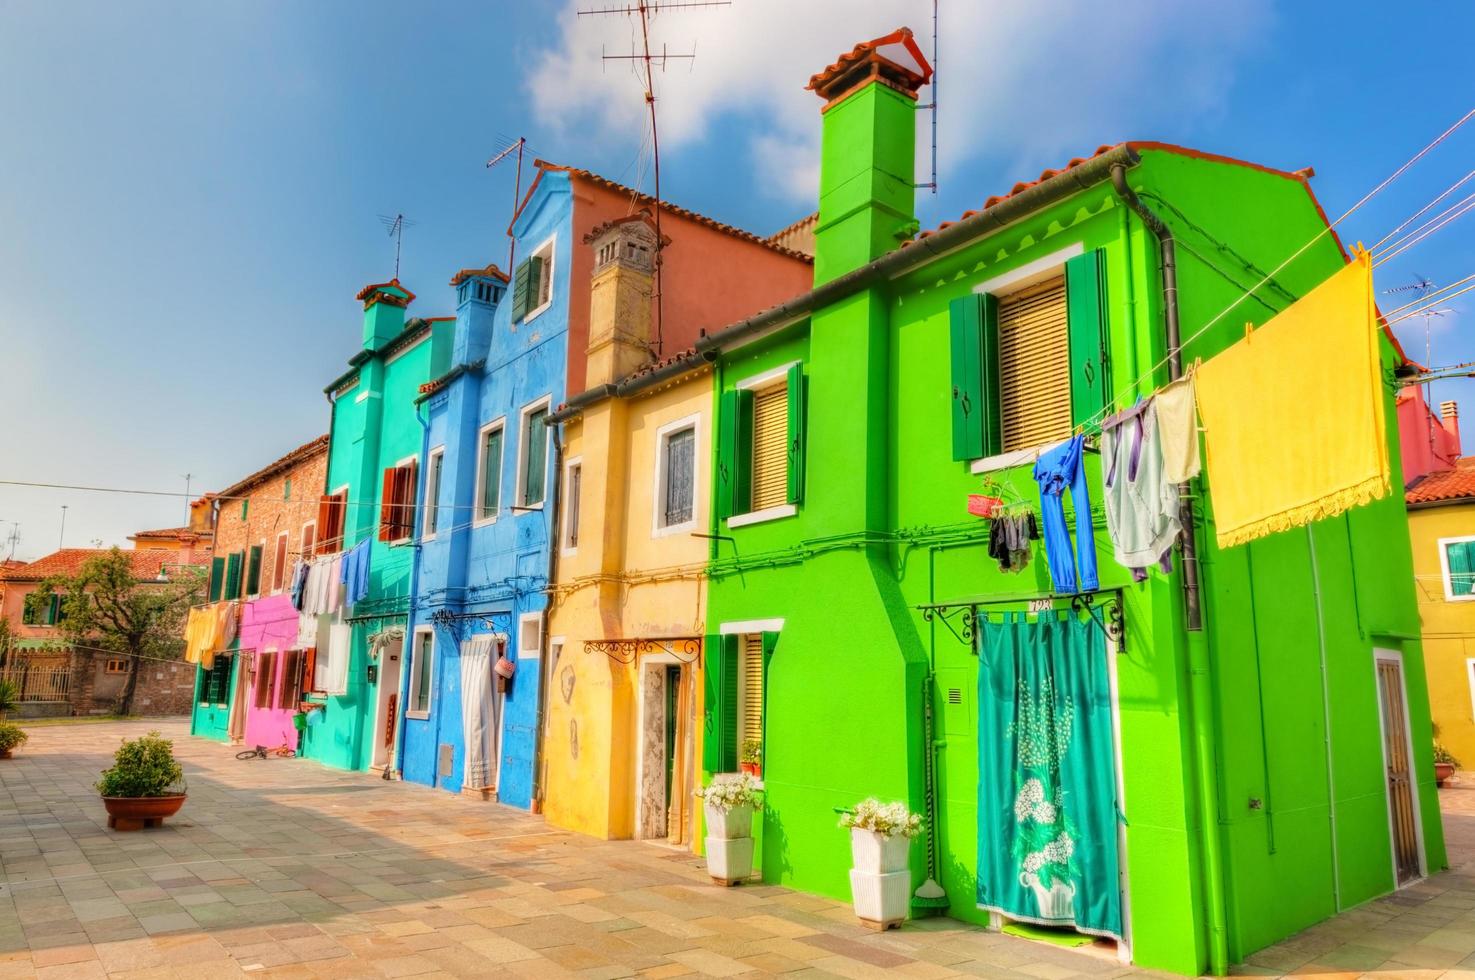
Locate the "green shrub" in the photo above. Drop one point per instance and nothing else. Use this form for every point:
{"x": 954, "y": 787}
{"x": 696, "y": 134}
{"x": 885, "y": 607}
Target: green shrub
{"x": 11, "y": 736}
{"x": 1442, "y": 754}
{"x": 143, "y": 767}
{"x": 9, "y": 696}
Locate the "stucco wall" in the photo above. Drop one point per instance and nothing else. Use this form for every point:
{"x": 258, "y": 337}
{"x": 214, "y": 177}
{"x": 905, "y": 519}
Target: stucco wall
{"x": 268, "y": 624}
{"x": 1448, "y": 628}
{"x": 272, "y": 507}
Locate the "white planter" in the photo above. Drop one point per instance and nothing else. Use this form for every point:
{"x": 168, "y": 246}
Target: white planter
{"x": 729, "y": 824}
{"x": 876, "y": 854}
{"x": 729, "y": 861}
{"x": 881, "y": 900}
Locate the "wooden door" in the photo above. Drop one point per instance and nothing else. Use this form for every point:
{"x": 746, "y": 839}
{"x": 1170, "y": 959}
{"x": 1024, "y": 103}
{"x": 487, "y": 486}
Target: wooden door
{"x": 1399, "y": 764}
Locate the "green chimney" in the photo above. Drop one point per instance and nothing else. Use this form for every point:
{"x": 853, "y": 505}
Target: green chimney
{"x": 867, "y": 188}
{"x": 384, "y": 312}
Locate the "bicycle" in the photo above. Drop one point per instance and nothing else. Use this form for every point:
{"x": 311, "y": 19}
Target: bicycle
{"x": 262, "y": 752}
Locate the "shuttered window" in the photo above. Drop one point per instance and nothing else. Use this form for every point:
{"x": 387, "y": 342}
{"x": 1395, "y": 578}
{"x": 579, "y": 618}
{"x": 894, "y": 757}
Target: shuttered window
{"x": 397, "y": 502}
{"x": 332, "y": 508}
{"x": 1034, "y": 365}
{"x": 253, "y": 570}
{"x": 215, "y": 686}
{"x": 750, "y": 689}
{"x": 770, "y": 479}
{"x": 288, "y": 689}
{"x": 233, "y": 575}
{"x": 279, "y": 563}
{"x": 489, "y": 480}
{"x": 1459, "y": 560}
{"x": 217, "y": 579}
{"x": 534, "y": 457}
{"x": 266, "y": 662}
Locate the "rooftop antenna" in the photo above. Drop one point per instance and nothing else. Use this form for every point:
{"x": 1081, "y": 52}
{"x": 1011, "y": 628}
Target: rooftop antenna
{"x": 14, "y": 539}
{"x": 396, "y": 226}
{"x": 1423, "y": 285}
{"x": 187, "y": 478}
{"x": 932, "y": 106}
{"x": 645, "y": 9}
{"x": 61, "y": 538}
{"x": 510, "y": 146}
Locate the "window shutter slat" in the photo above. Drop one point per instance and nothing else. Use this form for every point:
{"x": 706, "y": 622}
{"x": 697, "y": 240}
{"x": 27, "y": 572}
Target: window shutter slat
{"x": 1085, "y": 286}
{"x": 253, "y": 571}
{"x": 521, "y": 279}
{"x": 965, "y": 331}
{"x": 386, "y": 504}
{"x": 797, "y": 398}
{"x": 729, "y": 704}
{"x": 712, "y": 701}
{"x": 1033, "y": 366}
{"x": 217, "y": 578}
{"x": 233, "y": 576}
{"x": 770, "y": 447}
{"x": 535, "y": 283}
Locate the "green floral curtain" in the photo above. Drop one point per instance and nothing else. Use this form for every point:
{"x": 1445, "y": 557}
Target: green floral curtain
{"x": 1047, "y": 786}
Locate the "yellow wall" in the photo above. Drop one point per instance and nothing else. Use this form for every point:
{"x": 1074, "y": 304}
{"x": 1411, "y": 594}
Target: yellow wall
{"x": 624, "y": 581}
{"x": 1449, "y": 628}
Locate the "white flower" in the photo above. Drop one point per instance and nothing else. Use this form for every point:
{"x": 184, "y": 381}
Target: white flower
{"x": 1034, "y": 861}
{"x": 886, "y": 819}
{"x": 1044, "y": 812}
{"x": 1031, "y": 794}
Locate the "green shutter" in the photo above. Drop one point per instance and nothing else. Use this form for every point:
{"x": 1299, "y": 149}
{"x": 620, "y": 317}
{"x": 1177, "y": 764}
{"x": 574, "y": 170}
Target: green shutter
{"x": 730, "y": 703}
{"x": 1085, "y": 307}
{"x": 536, "y": 474}
{"x": 1461, "y": 567}
{"x": 520, "y": 281}
{"x": 233, "y": 576}
{"x": 53, "y": 610}
{"x": 712, "y": 700}
{"x": 797, "y": 402}
{"x": 973, "y": 327}
{"x": 491, "y": 477}
{"x": 28, "y": 611}
{"x": 734, "y": 453}
{"x": 770, "y": 642}
{"x": 217, "y": 578}
{"x": 253, "y": 571}
{"x": 535, "y": 280}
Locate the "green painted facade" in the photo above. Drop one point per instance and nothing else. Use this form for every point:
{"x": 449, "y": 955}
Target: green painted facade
{"x": 374, "y": 427}
{"x": 881, "y": 528}
{"x": 210, "y": 716}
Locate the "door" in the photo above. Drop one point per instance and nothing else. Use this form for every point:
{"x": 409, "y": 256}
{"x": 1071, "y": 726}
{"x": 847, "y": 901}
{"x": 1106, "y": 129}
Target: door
{"x": 673, "y": 707}
{"x": 386, "y": 716}
{"x": 1402, "y": 806}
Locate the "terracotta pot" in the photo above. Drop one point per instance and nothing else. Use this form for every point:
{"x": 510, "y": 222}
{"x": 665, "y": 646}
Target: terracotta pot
{"x": 5, "y": 753}
{"x": 137, "y": 812}
{"x": 1442, "y": 772}
{"x": 752, "y": 768}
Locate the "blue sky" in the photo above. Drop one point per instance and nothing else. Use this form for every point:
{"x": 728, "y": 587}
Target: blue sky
{"x": 188, "y": 192}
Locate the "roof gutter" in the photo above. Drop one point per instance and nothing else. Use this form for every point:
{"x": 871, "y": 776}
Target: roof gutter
{"x": 631, "y": 385}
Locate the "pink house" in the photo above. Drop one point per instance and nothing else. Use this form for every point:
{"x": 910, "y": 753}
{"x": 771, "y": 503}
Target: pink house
{"x": 1428, "y": 443}
{"x": 270, "y": 653}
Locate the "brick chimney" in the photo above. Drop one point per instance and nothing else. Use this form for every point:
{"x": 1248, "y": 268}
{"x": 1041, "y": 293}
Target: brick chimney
{"x": 867, "y": 187}
{"x": 620, "y": 297}
{"x": 384, "y": 311}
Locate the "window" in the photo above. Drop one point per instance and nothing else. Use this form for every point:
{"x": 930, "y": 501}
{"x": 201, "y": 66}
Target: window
{"x": 489, "y": 473}
{"x": 736, "y": 697}
{"x": 760, "y": 448}
{"x": 253, "y": 569}
{"x": 397, "y": 501}
{"x": 433, "y": 469}
{"x": 1457, "y": 562}
{"x": 287, "y": 488}
{"x": 309, "y": 539}
{"x": 279, "y": 564}
{"x": 1029, "y": 364}
{"x": 217, "y": 578}
{"x": 215, "y": 685}
{"x": 530, "y": 636}
{"x": 532, "y": 470}
{"x": 572, "y": 487}
{"x": 117, "y": 665}
{"x": 233, "y": 583}
{"x": 676, "y": 473}
{"x": 245, "y": 507}
{"x": 332, "y": 508}
{"x": 422, "y": 654}
{"x": 331, "y": 671}
{"x": 266, "y": 662}
{"x": 532, "y": 283}
{"x": 291, "y": 681}
{"x": 41, "y": 610}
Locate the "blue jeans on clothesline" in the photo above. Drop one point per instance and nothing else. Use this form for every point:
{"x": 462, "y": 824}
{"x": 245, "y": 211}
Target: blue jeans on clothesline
{"x": 1062, "y": 467}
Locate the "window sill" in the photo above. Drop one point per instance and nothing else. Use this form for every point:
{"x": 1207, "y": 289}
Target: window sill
{"x": 763, "y": 516}
{"x": 417, "y": 715}
{"x": 526, "y": 509}
{"x": 485, "y": 521}
{"x": 569, "y": 552}
{"x": 685, "y": 527}
{"x": 532, "y": 315}
{"x": 1011, "y": 459}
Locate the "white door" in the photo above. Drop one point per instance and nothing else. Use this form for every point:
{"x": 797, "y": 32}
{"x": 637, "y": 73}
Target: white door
{"x": 387, "y": 710}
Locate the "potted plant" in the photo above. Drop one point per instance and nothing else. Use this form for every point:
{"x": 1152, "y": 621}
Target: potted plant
{"x": 12, "y": 737}
{"x": 9, "y": 697}
{"x": 1445, "y": 764}
{"x": 144, "y": 785}
{"x": 729, "y": 803}
{"x": 751, "y": 757}
{"x": 880, "y": 839}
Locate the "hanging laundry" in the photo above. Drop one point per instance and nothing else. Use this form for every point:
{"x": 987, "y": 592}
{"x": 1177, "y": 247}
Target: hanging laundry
{"x": 1177, "y": 426}
{"x": 1293, "y": 414}
{"x": 225, "y": 624}
{"x": 1009, "y": 536}
{"x": 1141, "y": 504}
{"x": 355, "y": 573}
{"x": 299, "y": 583}
{"x": 335, "y": 584}
{"x": 1061, "y": 468}
{"x": 199, "y": 633}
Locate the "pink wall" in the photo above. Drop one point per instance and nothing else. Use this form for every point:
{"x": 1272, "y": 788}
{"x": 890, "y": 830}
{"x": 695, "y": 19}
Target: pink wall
{"x": 269, "y": 623}
{"x": 1427, "y": 443}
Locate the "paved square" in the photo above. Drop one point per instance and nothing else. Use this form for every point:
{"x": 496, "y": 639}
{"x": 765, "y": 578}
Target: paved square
{"x": 282, "y": 868}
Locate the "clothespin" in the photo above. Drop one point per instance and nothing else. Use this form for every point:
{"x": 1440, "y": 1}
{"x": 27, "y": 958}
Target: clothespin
{"x": 1249, "y": 329}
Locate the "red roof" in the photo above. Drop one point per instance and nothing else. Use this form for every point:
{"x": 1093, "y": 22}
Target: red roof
{"x": 641, "y": 199}
{"x": 490, "y": 272}
{"x": 166, "y": 532}
{"x": 1455, "y": 484}
{"x": 377, "y": 291}
{"x": 68, "y": 561}
{"x": 848, "y": 72}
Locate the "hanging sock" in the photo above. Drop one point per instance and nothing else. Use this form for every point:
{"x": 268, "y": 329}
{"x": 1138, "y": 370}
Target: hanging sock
{"x": 1141, "y": 504}
{"x": 1056, "y": 470}
{"x": 1294, "y": 427}
{"x": 1177, "y": 426}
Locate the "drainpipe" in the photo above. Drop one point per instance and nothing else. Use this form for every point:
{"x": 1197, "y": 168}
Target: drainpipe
{"x": 404, "y": 650}
{"x": 1200, "y": 693}
{"x": 544, "y": 663}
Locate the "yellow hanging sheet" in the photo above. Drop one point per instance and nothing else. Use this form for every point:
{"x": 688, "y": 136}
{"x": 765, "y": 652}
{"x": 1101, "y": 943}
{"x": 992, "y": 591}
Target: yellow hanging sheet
{"x": 1293, "y": 414}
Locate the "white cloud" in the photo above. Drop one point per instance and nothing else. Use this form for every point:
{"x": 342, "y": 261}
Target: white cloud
{"x": 1021, "y": 81}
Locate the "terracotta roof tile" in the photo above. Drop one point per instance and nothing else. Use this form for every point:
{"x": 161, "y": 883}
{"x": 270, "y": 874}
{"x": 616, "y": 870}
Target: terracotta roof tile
{"x": 166, "y": 532}
{"x": 835, "y": 81}
{"x": 68, "y": 561}
{"x": 490, "y": 272}
{"x": 303, "y": 452}
{"x": 1454, "y": 484}
{"x": 376, "y": 292}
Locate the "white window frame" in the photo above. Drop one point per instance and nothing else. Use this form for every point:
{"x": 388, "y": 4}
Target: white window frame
{"x": 569, "y": 506}
{"x": 246, "y": 572}
{"x": 479, "y": 519}
{"x": 431, "y": 510}
{"x": 658, "y": 505}
{"x": 413, "y": 491}
{"x": 412, "y": 691}
{"x": 1442, "y": 544}
{"x": 522, "y": 650}
{"x": 764, "y": 380}
{"x": 545, "y": 402}
{"x": 548, "y": 253}
{"x": 285, "y": 539}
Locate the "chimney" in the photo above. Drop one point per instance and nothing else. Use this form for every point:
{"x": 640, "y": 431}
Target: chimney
{"x": 620, "y": 297}
{"x": 384, "y": 311}
{"x": 867, "y": 187}
{"x": 1449, "y": 412}
{"x": 478, "y": 292}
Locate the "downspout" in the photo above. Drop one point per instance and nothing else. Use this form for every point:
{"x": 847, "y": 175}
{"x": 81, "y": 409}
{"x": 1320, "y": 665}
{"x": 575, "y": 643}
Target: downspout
{"x": 1200, "y": 692}
{"x": 404, "y": 654}
{"x": 544, "y": 664}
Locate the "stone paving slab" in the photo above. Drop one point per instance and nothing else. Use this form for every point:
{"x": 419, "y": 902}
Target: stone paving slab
{"x": 281, "y": 868}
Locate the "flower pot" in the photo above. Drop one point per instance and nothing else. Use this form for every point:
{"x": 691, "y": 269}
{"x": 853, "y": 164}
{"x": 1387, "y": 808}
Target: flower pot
{"x": 881, "y": 900}
{"x": 751, "y": 768}
{"x": 1442, "y": 772}
{"x": 137, "y": 812}
{"x": 730, "y": 860}
{"x": 5, "y": 753}
{"x": 729, "y": 824}
{"x": 1056, "y": 903}
{"x": 876, "y": 853}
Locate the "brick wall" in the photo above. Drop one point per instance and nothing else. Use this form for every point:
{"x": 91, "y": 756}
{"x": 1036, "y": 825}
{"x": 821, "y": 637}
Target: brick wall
{"x": 282, "y": 502}
{"x": 162, "y": 688}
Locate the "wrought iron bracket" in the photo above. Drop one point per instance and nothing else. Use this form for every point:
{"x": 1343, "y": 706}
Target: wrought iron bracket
{"x": 967, "y": 617}
{"x": 686, "y": 649}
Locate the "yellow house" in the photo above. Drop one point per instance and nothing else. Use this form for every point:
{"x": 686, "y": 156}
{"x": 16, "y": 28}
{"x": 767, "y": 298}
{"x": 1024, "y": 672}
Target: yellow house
{"x": 1441, "y": 521}
{"x": 627, "y": 611}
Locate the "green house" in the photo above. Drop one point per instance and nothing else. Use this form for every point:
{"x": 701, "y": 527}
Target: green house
{"x": 1234, "y": 715}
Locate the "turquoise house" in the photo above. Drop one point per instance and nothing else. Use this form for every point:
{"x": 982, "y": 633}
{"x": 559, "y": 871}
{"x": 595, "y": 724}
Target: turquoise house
{"x": 210, "y": 717}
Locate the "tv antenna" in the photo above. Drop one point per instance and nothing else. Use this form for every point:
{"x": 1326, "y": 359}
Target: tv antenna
{"x": 645, "y": 10}
{"x": 396, "y": 226}
{"x": 510, "y": 146}
{"x": 932, "y": 106}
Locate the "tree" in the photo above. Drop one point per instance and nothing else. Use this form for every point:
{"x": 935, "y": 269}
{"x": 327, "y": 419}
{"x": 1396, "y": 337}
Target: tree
{"x": 104, "y": 607}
